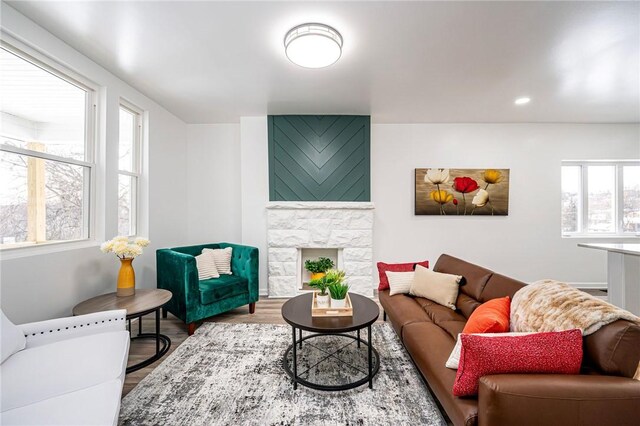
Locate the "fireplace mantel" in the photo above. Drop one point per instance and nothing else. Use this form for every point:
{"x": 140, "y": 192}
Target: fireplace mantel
{"x": 320, "y": 205}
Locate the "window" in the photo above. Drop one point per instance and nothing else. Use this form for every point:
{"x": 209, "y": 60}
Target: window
{"x": 46, "y": 153}
{"x": 130, "y": 136}
{"x": 601, "y": 198}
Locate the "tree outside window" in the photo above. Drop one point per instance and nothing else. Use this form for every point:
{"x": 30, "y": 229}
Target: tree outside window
{"x": 46, "y": 153}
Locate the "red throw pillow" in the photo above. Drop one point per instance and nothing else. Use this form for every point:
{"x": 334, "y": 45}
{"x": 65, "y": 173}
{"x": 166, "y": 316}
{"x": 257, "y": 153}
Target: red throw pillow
{"x": 545, "y": 353}
{"x": 490, "y": 317}
{"x": 395, "y": 267}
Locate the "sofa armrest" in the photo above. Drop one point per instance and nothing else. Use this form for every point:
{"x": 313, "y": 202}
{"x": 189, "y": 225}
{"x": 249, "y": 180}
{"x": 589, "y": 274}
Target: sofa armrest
{"x": 244, "y": 263}
{"x": 49, "y": 331}
{"x": 528, "y": 399}
{"x": 178, "y": 273}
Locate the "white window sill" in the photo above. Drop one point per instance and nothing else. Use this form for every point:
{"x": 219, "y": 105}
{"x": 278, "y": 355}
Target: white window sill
{"x": 26, "y": 250}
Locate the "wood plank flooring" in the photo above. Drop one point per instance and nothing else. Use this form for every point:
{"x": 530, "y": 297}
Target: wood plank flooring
{"x": 267, "y": 312}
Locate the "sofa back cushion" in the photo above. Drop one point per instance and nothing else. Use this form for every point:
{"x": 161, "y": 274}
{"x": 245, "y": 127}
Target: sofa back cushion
{"x": 500, "y": 286}
{"x": 195, "y": 250}
{"x": 615, "y": 348}
{"x": 466, "y": 304}
{"x": 474, "y": 277}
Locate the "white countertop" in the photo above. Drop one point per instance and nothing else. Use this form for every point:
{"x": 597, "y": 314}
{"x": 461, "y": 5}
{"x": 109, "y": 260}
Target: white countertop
{"x": 625, "y": 248}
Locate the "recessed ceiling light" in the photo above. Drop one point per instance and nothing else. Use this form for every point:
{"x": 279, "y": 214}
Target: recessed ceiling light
{"x": 522, "y": 101}
{"x": 313, "y": 45}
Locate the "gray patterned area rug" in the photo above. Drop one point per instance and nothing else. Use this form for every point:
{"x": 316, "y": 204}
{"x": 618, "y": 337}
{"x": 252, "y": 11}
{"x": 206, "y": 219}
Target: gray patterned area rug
{"x": 232, "y": 374}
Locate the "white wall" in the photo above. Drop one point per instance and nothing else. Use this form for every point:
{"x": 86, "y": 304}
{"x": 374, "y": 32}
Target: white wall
{"x": 254, "y": 189}
{"x": 213, "y": 176}
{"x": 48, "y": 285}
{"x": 228, "y": 185}
{"x": 526, "y": 244}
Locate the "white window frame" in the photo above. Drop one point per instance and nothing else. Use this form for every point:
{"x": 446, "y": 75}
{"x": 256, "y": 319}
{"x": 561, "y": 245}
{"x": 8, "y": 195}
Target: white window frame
{"x": 583, "y": 209}
{"x": 49, "y": 65}
{"x": 136, "y": 161}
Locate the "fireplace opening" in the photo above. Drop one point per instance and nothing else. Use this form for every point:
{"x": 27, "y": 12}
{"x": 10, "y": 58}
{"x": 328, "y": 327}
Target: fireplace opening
{"x": 304, "y": 254}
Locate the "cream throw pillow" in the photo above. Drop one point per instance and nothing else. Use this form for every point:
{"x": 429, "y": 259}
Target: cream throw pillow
{"x": 399, "y": 282}
{"x": 206, "y": 266}
{"x": 436, "y": 286}
{"x": 454, "y": 358}
{"x": 222, "y": 257}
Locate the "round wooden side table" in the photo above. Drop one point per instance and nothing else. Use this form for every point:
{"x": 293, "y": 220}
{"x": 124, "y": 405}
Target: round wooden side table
{"x": 143, "y": 302}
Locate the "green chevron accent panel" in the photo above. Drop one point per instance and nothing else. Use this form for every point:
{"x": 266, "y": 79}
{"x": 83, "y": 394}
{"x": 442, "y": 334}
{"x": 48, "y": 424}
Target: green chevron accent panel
{"x": 319, "y": 158}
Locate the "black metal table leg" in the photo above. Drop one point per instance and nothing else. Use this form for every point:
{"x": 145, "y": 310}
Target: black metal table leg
{"x": 370, "y": 359}
{"x": 163, "y": 343}
{"x": 290, "y": 363}
{"x": 295, "y": 361}
{"x": 300, "y": 337}
{"x": 358, "y": 336}
{"x": 157, "y": 330}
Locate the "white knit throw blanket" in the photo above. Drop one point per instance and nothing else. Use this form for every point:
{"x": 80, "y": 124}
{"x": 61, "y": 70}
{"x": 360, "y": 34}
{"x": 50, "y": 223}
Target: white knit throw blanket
{"x": 549, "y": 305}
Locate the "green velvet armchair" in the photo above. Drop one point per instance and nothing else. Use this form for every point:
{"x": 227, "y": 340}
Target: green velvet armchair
{"x": 194, "y": 300}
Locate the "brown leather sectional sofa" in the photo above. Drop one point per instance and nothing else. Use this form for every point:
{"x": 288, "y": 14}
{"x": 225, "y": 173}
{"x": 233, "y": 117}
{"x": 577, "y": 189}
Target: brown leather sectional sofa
{"x": 605, "y": 393}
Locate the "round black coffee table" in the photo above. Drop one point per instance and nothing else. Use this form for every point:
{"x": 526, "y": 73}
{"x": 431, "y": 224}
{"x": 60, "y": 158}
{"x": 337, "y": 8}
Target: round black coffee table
{"x": 297, "y": 312}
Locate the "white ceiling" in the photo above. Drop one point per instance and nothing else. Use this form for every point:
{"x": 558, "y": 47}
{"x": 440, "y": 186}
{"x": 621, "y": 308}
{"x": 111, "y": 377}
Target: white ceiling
{"x": 403, "y": 62}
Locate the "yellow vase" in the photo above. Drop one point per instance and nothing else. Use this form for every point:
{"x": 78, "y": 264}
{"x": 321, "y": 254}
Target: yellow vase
{"x": 317, "y": 275}
{"x": 126, "y": 278}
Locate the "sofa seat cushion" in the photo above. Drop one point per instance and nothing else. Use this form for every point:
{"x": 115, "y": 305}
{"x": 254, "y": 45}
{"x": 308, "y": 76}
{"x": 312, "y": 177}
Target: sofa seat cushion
{"x": 215, "y": 289}
{"x": 430, "y": 347}
{"x": 96, "y": 405}
{"x": 450, "y": 321}
{"x": 402, "y": 310}
{"x": 43, "y": 372}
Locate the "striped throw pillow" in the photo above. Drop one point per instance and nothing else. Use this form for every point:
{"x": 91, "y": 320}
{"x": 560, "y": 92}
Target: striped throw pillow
{"x": 399, "y": 282}
{"x": 222, "y": 257}
{"x": 206, "y": 266}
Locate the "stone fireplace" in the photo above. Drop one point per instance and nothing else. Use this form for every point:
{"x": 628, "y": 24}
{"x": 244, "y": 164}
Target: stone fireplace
{"x": 346, "y": 227}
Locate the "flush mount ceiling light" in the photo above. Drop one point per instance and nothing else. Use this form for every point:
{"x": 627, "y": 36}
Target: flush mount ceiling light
{"x": 313, "y": 45}
{"x": 522, "y": 101}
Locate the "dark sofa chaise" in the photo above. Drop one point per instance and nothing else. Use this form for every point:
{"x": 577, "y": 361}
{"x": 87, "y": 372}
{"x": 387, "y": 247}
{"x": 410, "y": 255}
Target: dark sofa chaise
{"x": 603, "y": 394}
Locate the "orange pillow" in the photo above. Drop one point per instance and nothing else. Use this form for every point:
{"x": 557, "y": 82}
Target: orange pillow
{"x": 490, "y": 317}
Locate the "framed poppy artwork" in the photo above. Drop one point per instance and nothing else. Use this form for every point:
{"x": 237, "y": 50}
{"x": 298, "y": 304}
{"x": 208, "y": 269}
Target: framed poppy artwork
{"x": 462, "y": 192}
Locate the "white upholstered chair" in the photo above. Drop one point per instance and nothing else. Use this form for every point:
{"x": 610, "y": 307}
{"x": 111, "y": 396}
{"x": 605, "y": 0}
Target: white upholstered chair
{"x": 66, "y": 371}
